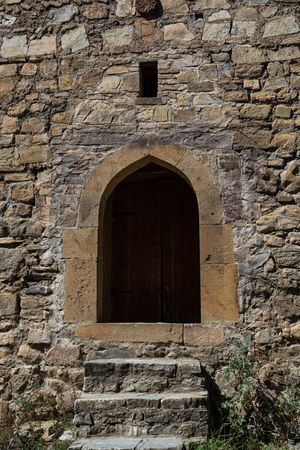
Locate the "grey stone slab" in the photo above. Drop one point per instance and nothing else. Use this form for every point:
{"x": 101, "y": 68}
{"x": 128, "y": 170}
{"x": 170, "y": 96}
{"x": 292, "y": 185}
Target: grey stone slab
{"x": 162, "y": 443}
{"x": 113, "y": 443}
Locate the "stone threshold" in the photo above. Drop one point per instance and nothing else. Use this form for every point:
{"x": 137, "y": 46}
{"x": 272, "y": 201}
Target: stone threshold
{"x": 186, "y": 334}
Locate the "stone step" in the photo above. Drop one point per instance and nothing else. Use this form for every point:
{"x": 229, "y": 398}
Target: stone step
{"x": 125, "y": 443}
{"x": 136, "y": 414}
{"x": 143, "y": 375}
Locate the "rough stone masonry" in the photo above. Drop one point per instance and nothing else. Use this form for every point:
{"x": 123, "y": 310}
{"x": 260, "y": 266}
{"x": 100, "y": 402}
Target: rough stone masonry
{"x": 228, "y": 90}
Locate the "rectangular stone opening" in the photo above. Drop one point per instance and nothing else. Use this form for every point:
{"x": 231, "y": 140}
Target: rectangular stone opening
{"x": 148, "y": 79}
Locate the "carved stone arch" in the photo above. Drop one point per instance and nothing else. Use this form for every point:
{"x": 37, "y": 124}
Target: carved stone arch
{"x": 82, "y": 246}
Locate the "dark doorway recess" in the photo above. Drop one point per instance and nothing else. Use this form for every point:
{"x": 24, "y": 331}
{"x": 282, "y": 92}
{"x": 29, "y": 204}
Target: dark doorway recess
{"x": 151, "y": 249}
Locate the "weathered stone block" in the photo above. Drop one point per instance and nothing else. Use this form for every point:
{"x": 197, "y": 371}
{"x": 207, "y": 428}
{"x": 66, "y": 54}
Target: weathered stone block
{"x": 216, "y": 31}
{"x": 118, "y": 37}
{"x": 75, "y": 39}
{"x": 35, "y": 154}
{"x": 219, "y": 293}
{"x": 81, "y": 243}
{"x": 23, "y": 192}
{"x": 175, "y": 6}
{"x": 44, "y": 46}
{"x": 8, "y": 305}
{"x": 211, "y": 4}
{"x": 14, "y": 47}
{"x": 133, "y": 332}
{"x": 63, "y": 356}
{"x": 95, "y": 11}
{"x": 216, "y": 244}
{"x": 80, "y": 290}
{"x": 281, "y": 25}
{"x": 245, "y": 54}
{"x": 203, "y": 336}
{"x": 63, "y": 14}
{"x": 39, "y": 336}
{"x": 178, "y": 32}
{"x": 8, "y": 70}
{"x": 252, "y": 111}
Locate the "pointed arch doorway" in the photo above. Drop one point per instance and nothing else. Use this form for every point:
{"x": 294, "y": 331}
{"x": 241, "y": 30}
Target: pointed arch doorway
{"x": 151, "y": 249}
{"x": 83, "y": 251}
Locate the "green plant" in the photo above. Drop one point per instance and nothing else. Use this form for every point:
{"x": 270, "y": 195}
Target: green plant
{"x": 257, "y": 413}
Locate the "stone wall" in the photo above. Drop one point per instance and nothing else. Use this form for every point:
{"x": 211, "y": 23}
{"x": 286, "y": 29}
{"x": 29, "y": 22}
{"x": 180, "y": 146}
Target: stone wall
{"x": 228, "y": 89}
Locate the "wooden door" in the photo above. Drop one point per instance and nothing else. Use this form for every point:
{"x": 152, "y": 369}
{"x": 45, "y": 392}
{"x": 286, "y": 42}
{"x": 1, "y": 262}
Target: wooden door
{"x": 155, "y": 252}
{"x": 136, "y": 253}
{"x": 180, "y": 253}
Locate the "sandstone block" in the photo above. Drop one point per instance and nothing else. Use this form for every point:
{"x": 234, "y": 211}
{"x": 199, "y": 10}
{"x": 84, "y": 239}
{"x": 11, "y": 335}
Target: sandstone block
{"x": 8, "y": 305}
{"x": 281, "y": 25}
{"x": 109, "y": 84}
{"x": 29, "y": 354}
{"x": 9, "y": 125}
{"x": 175, "y": 6}
{"x": 35, "y": 154}
{"x": 243, "y": 28}
{"x": 44, "y": 46}
{"x": 203, "y": 336}
{"x": 283, "y": 111}
{"x": 80, "y": 243}
{"x": 133, "y": 332}
{"x": 14, "y": 47}
{"x": 219, "y": 16}
{"x": 216, "y": 31}
{"x": 245, "y": 54}
{"x": 118, "y": 37}
{"x": 80, "y": 290}
{"x": 246, "y": 13}
{"x": 23, "y": 192}
{"x": 216, "y": 244}
{"x": 6, "y": 85}
{"x": 295, "y": 331}
{"x": 33, "y": 125}
{"x": 212, "y": 4}
{"x": 63, "y": 356}
{"x": 124, "y": 8}
{"x": 178, "y": 32}
{"x": 252, "y": 111}
{"x": 39, "y": 336}
{"x": 219, "y": 293}
{"x": 284, "y": 53}
{"x": 75, "y": 39}
{"x": 281, "y": 219}
{"x": 8, "y": 70}
{"x": 95, "y": 11}
{"x": 29, "y": 69}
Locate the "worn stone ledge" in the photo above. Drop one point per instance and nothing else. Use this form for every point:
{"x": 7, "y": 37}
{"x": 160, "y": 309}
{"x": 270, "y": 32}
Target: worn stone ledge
{"x": 187, "y": 334}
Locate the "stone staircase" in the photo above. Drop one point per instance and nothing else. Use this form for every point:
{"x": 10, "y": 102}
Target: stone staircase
{"x": 142, "y": 404}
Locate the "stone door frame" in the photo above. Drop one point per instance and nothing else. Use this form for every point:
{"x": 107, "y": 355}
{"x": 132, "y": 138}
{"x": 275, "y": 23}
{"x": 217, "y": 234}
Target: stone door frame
{"x": 82, "y": 246}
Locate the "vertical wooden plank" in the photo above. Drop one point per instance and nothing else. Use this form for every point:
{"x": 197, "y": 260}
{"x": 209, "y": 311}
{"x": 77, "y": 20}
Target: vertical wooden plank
{"x": 136, "y": 261}
{"x": 180, "y": 256}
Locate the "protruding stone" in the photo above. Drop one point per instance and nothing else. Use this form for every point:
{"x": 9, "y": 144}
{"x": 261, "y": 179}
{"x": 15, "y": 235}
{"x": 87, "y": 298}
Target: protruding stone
{"x": 178, "y": 32}
{"x": 216, "y": 31}
{"x": 63, "y": 14}
{"x": 44, "y": 46}
{"x": 281, "y": 26}
{"x": 8, "y": 305}
{"x": 63, "y": 356}
{"x": 75, "y": 39}
{"x": 118, "y": 37}
{"x": 14, "y": 47}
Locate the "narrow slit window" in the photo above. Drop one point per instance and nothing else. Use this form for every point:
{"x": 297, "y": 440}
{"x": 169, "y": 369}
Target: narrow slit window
{"x": 148, "y": 79}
